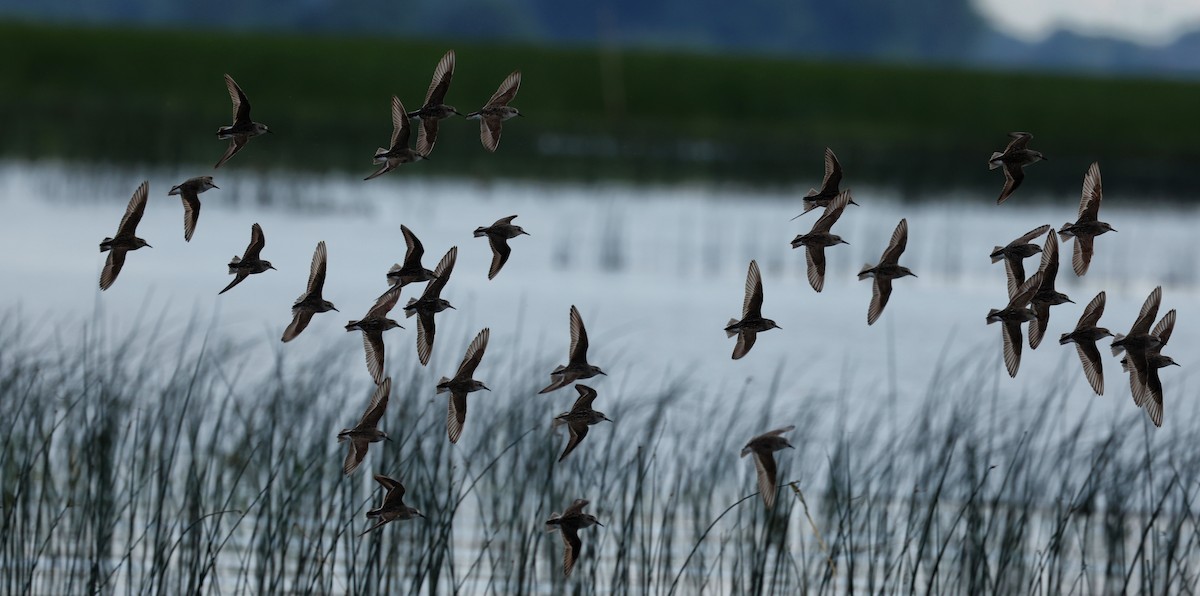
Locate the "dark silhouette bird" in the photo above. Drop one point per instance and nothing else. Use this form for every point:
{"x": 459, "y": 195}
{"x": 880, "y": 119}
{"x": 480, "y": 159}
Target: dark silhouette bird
{"x": 569, "y": 523}
{"x": 462, "y": 384}
{"x": 411, "y": 271}
{"x": 1154, "y": 361}
{"x": 577, "y": 366}
{"x": 1046, "y": 296}
{"x": 498, "y": 235}
{"x": 250, "y": 262}
{"x": 1087, "y": 226}
{"x": 579, "y": 418}
{"x": 889, "y": 268}
{"x": 1010, "y": 317}
{"x": 431, "y": 303}
{"x": 367, "y": 430}
{"x": 397, "y": 152}
{"x": 492, "y": 116}
{"x": 1137, "y": 345}
{"x": 1085, "y": 336}
{"x": 829, "y": 185}
{"x": 311, "y": 301}
{"x": 764, "y": 447}
{"x": 393, "y": 507}
{"x": 1015, "y": 253}
{"x": 243, "y": 128}
{"x": 1013, "y": 159}
{"x": 752, "y": 322}
{"x": 820, "y": 237}
{"x": 126, "y": 238}
{"x": 372, "y": 325}
{"x": 435, "y": 108}
{"x": 189, "y": 192}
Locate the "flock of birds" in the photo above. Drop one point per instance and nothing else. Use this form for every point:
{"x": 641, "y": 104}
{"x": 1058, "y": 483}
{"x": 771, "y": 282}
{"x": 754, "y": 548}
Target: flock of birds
{"x": 1029, "y": 299}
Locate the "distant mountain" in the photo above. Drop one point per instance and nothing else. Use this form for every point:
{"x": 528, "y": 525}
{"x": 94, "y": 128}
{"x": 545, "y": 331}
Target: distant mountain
{"x": 943, "y": 31}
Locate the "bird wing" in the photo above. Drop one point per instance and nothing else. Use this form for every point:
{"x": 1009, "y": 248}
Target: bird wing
{"x": 241, "y": 275}
{"x": 1049, "y": 264}
{"x": 300, "y": 319}
{"x": 897, "y": 244}
{"x": 257, "y": 242}
{"x": 1015, "y": 270}
{"x": 473, "y": 356}
{"x": 427, "y": 135}
{"x": 354, "y": 455}
{"x": 1019, "y": 141}
{"x": 444, "y": 267}
{"x": 1148, "y": 312}
{"x": 191, "y": 213}
{"x": 504, "y": 221}
{"x": 384, "y": 303}
{"x": 507, "y": 91}
{"x": 412, "y": 258}
{"x": 1011, "y": 331}
{"x": 1093, "y": 368}
{"x": 377, "y": 406}
{"x": 241, "y": 104}
{"x": 881, "y": 291}
{"x": 579, "y": 339}
{"x": 576, "y": 508}
{"x": 586, "y": 396}
{"x": 1037, "y": 327}
{"x": 816, "y": 266}
{"x": 134, "y": 211}
{"x": 1030, "y": 235}
{"x": 456, "y": 416}
{"x": 1165, "y": 327}
{"x": 745, "y": 341}
{"x": 235, "y": 144}
{"x": 489, "y": 132}
{"x": 1025, "y": 292}
{"x": 441, "y": 80}
{"x": 316, "y": 271}
{"x": 389, "y": 484}
{"x": 571, "y": 547}
{"x": 500, "y": 252}
{"x": 1093, "y": 192}
{"x": 426, "y": 331}
{"x": 832, "y": 213}
{"x": 1154, "y": 396}
{"x": 1014, "y": 175}
{"x": 373, "y": 346}
{"x": 752, "y": 303}
{"x": 579, "y": 430}
{"x": 112, "y": 268}
{"x": 1081, "y": 258}
{"x": 764, "y": 463}
{"x": 833, "y": 172}
{"x": 1092, "y": 312}
{"x": 401, "y": 129}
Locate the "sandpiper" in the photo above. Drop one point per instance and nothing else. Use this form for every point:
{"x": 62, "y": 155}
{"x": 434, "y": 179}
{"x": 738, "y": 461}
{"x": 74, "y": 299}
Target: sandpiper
{"x": 577, "y": 366}
{"x": 1015, "y": 253}
{"x": 1013, "y": 159}
{"x": 411, "y": 271}
{"x": 372, "y": 325}
{"x": 1138, "y": 344}
{"x": 243, "y": 128}
{"x": 569, "y": 523}
{"x": 398, "y": 152}
{"x": 764, "y": 447}
{"x": 393, "y": 507}
{"x": 1087, "y": 226}
{"x": 431, "y": 303}
{"x": 1011, "y": 317}
{"x": 249, "y": 263}
{"x": 498, "y": 235}
{"x": 311, "y": 301}
{"x": 1085, "y": 336}
{"x": 820, "y": 237}
{"x": 492, "y": 115}
{"x": 189, "y": 191}
{"x": 462, "y": 384}
{"x": 889, "y": 268}
{"x": 1154, "y": 361}
{"x": 752, "y": 321}
{"x": 1045, "y": 296}
{"x": 829, "y": 185}
{"x": 579, "y": 418}
{"x": 435, "y": 108}
{"x": 367, "y": 430}
{"x": 126, "y": 238}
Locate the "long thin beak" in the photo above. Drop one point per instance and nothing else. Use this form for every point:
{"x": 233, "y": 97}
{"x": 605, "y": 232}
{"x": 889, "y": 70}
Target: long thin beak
{"x": 486, "y": 387}
{"x": 604, "y": 373}
{"x": 599, "y": 524}
{"x": 524, "y": 232}
{"x": 451, "y": 306}
{"x": 335, "y": 309}
{"x": 458, "y": 112}
{"x": 148, "y": 245}
{"x": 520, "y": 114}
{"x": 387, "y": 438}
{"x": 273, "y": 267}
{"x": 216, "y": 187}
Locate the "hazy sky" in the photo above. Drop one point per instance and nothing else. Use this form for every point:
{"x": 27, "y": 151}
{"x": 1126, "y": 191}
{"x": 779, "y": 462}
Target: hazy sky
{"x": 1156, "y": 22}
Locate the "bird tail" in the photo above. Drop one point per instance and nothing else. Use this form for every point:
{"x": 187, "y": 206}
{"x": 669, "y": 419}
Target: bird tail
{"x": 1117, "y": 349}
{"x": 342, "y": 436}
{"x": 550, "y": 525}
{"x": 408, "y": 312}
{"x": 991, "y": 313}
{"x": 866, "y": 271}
{"x": 746, "y": 451}
{"x": 1064, "y": 339}
{"x": 729, "y": 333}
{"x": 233, "y": 264}
{"x": 379, "y": 155}
{"x": 174, "y": 190}
{"x": 1125, "y": 364}
{"x": 106, "y": 244}
{"x": 441, "y": 385}
{"x": 1064, "y": 232}
{"x": 996, "y": 254}
{"x": 992, "y": 163}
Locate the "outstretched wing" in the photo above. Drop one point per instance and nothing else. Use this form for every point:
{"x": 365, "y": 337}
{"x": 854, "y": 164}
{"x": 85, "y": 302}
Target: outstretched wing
{"x": 316, "y": 271}
{"x": 401, "y": 129}
{"x": 378, "y": 404}
{"x": 241, "y": 105}
{"x": 752, "y": 303}
{"x": 579, "y": 338}
{"x": 441, "y": 80}
{"x": 1093, "y": 192}
{"x": 833, "y": 172}
{"x": 1019, "y": 141}
{"x": 897, "y": 244}
{"x": 586, "y": 396}
{"x": 385, "y": 303}
{"x": 134, "y": 211}
{"x": 442, "y": 271}
{"x": 257, "y": 242}
{"x": 474, "y": 355}
{"x": 507, "y": 90}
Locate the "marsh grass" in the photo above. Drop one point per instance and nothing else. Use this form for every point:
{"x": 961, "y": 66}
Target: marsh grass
{"x": 133, "y": 464}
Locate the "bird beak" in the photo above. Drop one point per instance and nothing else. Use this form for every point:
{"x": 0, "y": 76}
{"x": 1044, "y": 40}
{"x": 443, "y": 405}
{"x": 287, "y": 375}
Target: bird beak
{"x": 524, "y": 232}
{"x": 1071, "y": 301}
{"x": 148, "y": 245}
{"x": 520, "y": 114}
{"x": 603, "y": 373}
{"x": 451, "y": 306}
{"x": 335, "y": 309}
{"x": 599, "y": 524}
{"x": 1173, "y": 363}
{"x": 387, "y": 438}
{"x": 486, "y": 387}
{"x": 913, "y": 274}
{"x": 273, "y": 267}
{"x": 216, "y": 187}
{"x": 458, "y": 112}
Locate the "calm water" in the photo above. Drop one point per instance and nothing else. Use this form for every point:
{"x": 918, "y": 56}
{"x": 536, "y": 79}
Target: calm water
{"x": 656, "y": 273}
